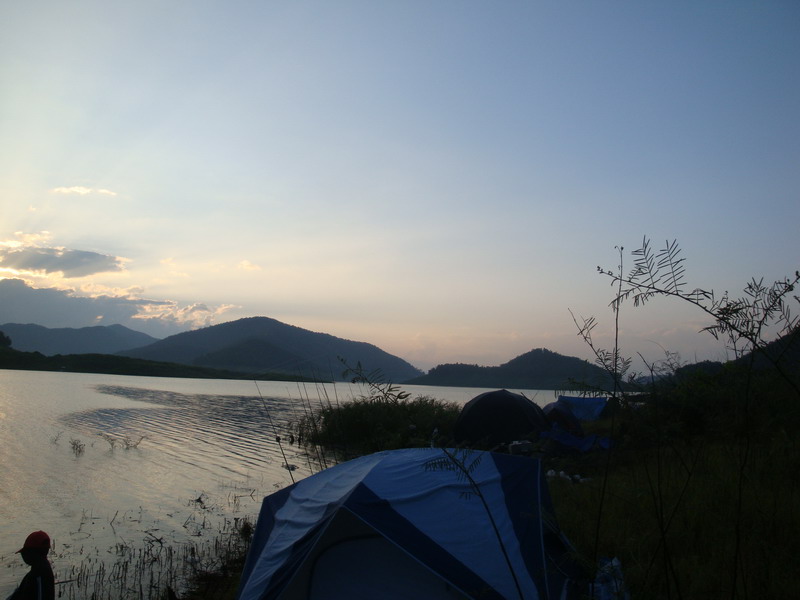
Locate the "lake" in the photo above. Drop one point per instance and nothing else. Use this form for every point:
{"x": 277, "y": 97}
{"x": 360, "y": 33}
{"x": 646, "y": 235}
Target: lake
{"x": 132, "y": 475}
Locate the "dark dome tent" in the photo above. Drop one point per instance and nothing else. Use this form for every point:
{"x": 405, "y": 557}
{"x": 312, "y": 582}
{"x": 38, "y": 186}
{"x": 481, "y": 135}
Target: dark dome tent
{"x": 498, "y": 417}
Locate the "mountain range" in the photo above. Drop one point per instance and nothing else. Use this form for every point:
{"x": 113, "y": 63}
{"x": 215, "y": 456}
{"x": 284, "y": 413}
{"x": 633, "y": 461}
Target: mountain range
{"x": 67, "y": 340}
{"x": 251, "y": 345}
{"x": 259, "y": 345}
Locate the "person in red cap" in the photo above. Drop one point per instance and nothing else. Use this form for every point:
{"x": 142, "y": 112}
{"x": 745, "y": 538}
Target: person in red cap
{"x": 38, "y": 583}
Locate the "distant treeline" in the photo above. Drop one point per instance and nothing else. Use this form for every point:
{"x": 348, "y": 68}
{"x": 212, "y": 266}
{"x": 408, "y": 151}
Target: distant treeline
{"x": 120, "y": 365}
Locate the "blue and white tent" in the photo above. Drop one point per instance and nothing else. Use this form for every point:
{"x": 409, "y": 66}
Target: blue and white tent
{"x": 410, "y": 524}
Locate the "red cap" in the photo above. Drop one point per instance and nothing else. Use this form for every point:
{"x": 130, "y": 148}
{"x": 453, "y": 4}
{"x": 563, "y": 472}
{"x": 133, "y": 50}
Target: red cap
{"x": 38, "y": 539}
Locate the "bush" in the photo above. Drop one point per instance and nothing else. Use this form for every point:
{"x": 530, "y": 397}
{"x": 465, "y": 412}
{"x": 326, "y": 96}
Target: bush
{"x": 367, "y": 425}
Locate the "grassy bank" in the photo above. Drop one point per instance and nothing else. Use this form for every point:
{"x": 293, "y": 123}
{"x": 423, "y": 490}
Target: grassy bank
{"x": 696, "y": 520}
{"x": 699, "y": 497}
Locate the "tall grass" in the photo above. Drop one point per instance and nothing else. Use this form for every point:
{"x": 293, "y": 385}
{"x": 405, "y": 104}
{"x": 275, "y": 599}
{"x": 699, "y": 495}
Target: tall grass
{"x": 670, "y": 516}
{"x": 367, "y": 425}
{"x": 383, "y": 418}
{"x": 207, "y": 568}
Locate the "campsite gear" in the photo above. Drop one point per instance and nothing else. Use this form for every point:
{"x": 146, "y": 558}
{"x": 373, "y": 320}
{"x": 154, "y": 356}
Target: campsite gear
{"x": 498, "y": 417}
{"x": 423, "y": 523}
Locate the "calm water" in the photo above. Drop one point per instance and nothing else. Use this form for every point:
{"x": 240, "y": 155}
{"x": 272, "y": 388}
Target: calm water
{"x": 114, "y": 465}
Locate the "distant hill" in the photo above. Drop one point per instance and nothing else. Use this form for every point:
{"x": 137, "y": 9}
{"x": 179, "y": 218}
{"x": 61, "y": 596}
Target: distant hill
{"x": 85, "y": 340}
{"x": 538, "y": 369}
{"x": 782, "y": 353}
{"x": 259, "y": 344}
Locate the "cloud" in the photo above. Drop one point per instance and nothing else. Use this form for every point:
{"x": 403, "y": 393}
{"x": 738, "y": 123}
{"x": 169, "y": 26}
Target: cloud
{"x": 82, "y": 191}
{"x": 169, "y": 315}
{"x": 22, "y": 303}
{"x": 32, "y": 260}
{"x": 70, "y": 263}
{"x": 76, "y": 189}
{"x": 246, "y": 265}
{"x": 173, "y": 268}
{"x": 26, "y": 239}
{"x": 94, "y": 290}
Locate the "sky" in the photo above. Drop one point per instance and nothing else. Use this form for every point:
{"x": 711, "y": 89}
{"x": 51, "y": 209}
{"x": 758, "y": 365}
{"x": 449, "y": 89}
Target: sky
{"x": 438, "y": 178}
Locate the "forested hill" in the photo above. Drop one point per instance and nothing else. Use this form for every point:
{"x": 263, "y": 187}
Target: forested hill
{"x": 539, "y": 369}
{"x": 258, "y": 344}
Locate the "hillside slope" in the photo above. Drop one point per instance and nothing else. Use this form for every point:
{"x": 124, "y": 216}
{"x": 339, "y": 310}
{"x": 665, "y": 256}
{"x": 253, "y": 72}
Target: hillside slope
{"x": 263, "y": 344}
{"x": 100, "y": 339}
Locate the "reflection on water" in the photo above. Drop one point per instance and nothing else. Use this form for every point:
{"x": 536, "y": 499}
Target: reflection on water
{"x": 111, "y": 468}
{"x": 225, "y": 436}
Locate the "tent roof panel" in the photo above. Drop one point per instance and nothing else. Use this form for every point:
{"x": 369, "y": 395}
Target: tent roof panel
{"x": 423, "y": 503}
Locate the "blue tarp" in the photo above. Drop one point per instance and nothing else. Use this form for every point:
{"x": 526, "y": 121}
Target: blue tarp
{"x": 584, "y": 409}
{"x": 559, "y": 414}
{"x": 583, "y": 443}
{"x": 427, "y": 511}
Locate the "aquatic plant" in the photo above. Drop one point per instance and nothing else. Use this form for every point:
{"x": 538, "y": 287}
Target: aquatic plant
{"x": 129, "y": 443}
{"x": 77, "y": 446}
{"x": 146, "y": 571}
